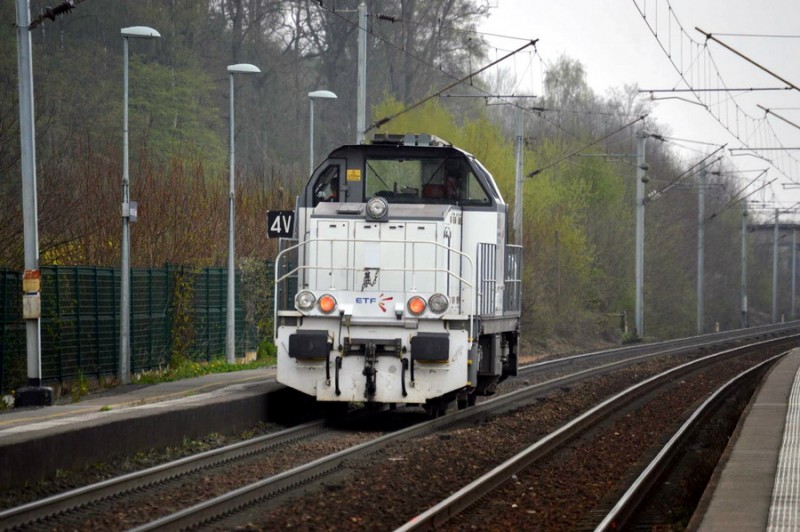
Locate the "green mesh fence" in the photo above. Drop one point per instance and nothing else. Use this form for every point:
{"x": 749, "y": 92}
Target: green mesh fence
{"x": 80, "y": 320}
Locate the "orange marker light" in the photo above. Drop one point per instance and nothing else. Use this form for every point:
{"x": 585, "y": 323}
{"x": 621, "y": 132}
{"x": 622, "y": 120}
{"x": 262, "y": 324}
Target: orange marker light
{"x": 327, "y": 304}
{"x": 416, "y": 305}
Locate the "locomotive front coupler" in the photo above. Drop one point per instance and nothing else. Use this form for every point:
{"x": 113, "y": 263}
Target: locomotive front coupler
{"x": 369, "y": 370}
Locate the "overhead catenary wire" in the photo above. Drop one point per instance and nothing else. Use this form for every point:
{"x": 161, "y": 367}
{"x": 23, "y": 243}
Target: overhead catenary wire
{"x": 766, "y": 35}
{"x": 575, "y": 152}
{"x": 539, "y": 110}
{"x": 402, "y": 50}
{"x": 378, "y": 123}
{"x": 732, "y": 203}
{"x": 710, "y": 36}
{"x": 700, "y": 73}
{"x": 657, "y": 193}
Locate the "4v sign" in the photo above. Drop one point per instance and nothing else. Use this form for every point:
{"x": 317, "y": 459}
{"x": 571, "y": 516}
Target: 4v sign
{"x": 280, "y": 224}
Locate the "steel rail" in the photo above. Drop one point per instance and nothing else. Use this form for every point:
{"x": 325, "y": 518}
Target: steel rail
{"x": 692, "y": 341}
{"x": 26, "y": 514}
{"x": 51, "y": 506}
{"x": 443, "y": 511}
{"x": 278, "y": 484}
{"x": 233, "y": 501}
{"x": 625, "y": 506}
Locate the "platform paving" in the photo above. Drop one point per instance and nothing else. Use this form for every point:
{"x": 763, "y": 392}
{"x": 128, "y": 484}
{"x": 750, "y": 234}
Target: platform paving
{"x": 35, "y": 442}
{"x": 741, "y": 495}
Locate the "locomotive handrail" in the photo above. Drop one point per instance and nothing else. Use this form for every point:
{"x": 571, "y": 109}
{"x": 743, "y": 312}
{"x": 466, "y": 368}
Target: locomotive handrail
{"x": 470, "y": 286}
{"x": 361, "y": 240}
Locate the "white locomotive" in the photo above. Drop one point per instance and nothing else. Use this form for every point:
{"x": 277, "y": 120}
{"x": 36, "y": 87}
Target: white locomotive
{"x": 399, "y": 286}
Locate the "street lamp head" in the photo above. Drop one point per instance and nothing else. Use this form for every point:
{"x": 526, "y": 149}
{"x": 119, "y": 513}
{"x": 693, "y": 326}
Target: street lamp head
{"x": 322, "y": 95}
{"x": 243, "y": 68}
{"x": 140, "y": 32}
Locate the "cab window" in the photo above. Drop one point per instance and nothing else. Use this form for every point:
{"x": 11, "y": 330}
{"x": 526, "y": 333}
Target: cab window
{"x": 327, "y": 186}
{"x": 428, "y": 180}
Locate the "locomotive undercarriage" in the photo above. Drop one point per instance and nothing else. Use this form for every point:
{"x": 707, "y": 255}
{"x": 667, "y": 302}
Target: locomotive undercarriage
{"x": 435, "y": 368}
{"x": 374, "y": 364}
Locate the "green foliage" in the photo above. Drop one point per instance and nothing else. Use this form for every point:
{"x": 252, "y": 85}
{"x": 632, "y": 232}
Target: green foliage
{"x": 80, "y": 388}
{"x": 267, "y": 351}
{"x": 182, "y": 319}
{"x": 578, "y": 215}
{"x": 430, "y": 118}
{"x": 257, "y": 283}
{"x": 173, "y": 108}
{"x": 187, "y": 369}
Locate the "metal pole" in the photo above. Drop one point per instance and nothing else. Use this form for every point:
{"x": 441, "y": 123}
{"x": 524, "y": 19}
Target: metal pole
{"x": 794, "y": 271}
{"x": 640, "y": 178}
{"x": 30, "y": 220}
{"x": 744, "y": 267}
{"x": 362, "y": 74}
{"x": 125, "y": 290}
{"x": 230, "y": 329}
{"x": 141, "y": 32}
{"x": 518, "y": 182}
{"x": 701, "y": 205}
{"x": 310, "y": 136}
{"x": 775, "y": 270}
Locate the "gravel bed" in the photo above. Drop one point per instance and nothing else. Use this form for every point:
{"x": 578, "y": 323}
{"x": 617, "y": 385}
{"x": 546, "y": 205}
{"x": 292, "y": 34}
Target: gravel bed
{"x": 378, "y": 494}
{"x": 145, "y": 505}
{"x": 405, "y": 479}
{"x": 69, "y": 480}
{"x": 559, "y": 493}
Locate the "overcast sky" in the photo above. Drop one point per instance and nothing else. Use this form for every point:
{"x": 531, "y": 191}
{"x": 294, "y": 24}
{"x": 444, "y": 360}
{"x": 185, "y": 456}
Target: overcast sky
{"x": 612, "y": 40}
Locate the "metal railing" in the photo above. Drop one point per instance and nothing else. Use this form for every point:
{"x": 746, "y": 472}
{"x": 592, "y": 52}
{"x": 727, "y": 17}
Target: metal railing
{"x": 512, "y": 297}
{"x": 287, "y": 274}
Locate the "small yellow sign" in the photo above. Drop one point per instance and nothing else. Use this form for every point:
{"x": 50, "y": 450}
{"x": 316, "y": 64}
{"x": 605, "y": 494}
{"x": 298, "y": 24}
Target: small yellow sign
{"x": 354, "y": 174}
{"x": 31, "y": 281}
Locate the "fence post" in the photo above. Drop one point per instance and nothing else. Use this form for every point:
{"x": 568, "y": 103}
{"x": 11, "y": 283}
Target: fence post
{"x": 168, "y": 316}
{"x": 97, "y": 324}
{"x": 150, "y": 317}
{"x": 78, "y": 316}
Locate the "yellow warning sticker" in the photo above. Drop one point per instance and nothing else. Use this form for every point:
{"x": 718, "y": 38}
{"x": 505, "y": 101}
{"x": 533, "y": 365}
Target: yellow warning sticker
{"x": 354, "y": 174}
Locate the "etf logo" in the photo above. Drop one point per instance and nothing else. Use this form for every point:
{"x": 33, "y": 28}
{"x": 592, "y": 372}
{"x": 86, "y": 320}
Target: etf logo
{"x": 379, "y": 300}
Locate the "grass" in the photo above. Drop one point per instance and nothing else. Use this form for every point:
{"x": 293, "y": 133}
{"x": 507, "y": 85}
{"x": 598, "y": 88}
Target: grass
{"x": 186, "y": 369}
{"x": 80, "y": 388}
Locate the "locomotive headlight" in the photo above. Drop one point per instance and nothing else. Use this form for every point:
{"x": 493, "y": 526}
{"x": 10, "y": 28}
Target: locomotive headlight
{"x": 438, "y": 303}
{"x": 327, "y": 303}
{"x": 416, "y": 305}
{"x": 304, "y": 301}
{"x": 377, "y": 208}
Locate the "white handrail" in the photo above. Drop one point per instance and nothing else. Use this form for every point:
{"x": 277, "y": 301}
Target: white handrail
{"x": 467, "y": 283}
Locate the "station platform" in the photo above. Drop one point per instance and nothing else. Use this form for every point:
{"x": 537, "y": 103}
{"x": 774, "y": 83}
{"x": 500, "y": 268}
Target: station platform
{"x": 757, "y": 484}
{"x": 36, "y": 442}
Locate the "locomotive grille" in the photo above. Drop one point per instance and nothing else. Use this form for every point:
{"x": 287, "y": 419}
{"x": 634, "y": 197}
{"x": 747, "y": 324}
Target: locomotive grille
{"x": 487, "y": 278}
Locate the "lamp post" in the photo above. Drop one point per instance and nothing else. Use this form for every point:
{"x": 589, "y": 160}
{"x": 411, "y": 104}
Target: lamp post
{"x": 230, "y": 329}
{"x": 136, "y": 32}
{"x": 320, "y": 95}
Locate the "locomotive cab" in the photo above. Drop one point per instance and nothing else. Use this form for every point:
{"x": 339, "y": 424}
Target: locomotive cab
{"x": 399, "y": 286}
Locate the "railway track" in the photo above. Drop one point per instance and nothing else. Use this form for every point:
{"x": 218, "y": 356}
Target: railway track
{"x": 493, "y": 488}
{"x": 39, "y": 512}
{"x": 632, "y": 507}
{"x": 27, "y": 515}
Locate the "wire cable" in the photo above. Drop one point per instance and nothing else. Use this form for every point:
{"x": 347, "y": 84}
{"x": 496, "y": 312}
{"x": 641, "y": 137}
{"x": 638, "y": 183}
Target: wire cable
{"x": 378, "y": 123}
{"x": 601, "y": 139}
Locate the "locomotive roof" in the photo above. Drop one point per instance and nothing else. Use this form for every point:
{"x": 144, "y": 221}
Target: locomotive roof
{"x": 345, "y": 175}
{"x": 395, "y": 149}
